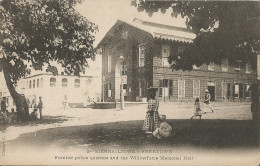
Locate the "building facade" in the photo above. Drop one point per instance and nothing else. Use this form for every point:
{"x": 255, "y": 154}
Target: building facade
{"x": 79, "y": 91}
{"x": 135, "y": 54}
{"x": 53, "y": 89}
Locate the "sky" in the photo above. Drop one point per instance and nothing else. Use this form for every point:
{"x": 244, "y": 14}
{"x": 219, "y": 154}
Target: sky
{"x": 104, "y": 13}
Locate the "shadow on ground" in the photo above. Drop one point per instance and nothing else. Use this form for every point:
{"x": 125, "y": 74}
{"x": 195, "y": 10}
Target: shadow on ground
{"x": 196, "y": 133}
{"x": 45, "y": 120}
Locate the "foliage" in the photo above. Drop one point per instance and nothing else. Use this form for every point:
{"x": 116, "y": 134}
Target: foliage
{"x": 38, "y": 32}
{"x": 224, "y": 29}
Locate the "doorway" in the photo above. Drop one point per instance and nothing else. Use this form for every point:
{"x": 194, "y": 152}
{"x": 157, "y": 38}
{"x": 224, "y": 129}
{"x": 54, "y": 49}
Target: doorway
{"x": 212, "y": 92}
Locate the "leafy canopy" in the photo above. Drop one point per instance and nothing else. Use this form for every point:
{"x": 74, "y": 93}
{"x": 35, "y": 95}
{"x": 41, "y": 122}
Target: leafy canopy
{"x": 224, "y": 29}
{"x": 37, "y": 32}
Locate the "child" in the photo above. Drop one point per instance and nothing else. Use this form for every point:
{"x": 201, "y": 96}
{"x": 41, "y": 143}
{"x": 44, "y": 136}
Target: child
{"x": 164, "y": 130}
{"x": 197, "y": 108}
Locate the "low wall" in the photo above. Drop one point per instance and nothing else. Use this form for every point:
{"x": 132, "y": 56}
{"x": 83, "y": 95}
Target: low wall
{"x": 126, "y": 104}
{"x": 109, "y": 105}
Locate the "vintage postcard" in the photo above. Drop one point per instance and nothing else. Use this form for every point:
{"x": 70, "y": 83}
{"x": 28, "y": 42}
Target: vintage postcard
{"x": 129, "y": 82}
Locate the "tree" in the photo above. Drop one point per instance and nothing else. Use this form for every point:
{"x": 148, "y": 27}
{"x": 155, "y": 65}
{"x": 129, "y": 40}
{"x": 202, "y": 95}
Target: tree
{"x": 37, "y": 32}
{"x": 224, "y": 29}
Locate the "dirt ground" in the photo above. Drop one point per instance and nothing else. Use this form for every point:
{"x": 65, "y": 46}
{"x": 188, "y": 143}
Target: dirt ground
{"x": 229, "y": 131}
{"x": 196, "y": 133}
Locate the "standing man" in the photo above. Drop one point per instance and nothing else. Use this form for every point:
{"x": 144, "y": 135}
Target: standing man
{"x": 207, "y": 101}
{"x": 40, "y": 104}
{"x": 65, "y": 103}
{"x": 3, "y": 105}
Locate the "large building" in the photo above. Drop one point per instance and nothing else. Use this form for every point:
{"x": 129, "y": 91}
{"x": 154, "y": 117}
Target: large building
{"x": 79, "y": 91}
{"x": 138, "y": 53}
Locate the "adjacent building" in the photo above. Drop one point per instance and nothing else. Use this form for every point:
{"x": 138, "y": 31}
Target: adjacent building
{"x": 79, "y": 91}
{"x": 135, "y": 54}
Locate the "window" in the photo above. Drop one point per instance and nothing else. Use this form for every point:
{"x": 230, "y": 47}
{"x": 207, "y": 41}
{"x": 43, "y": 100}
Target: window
{"x": 124, "y": 34}
{"x": 52, "y": 82}
{"x": 106, "y": 89}
{"x": 165, "y": 55}
{"x": 238, "y": 65}
{"x": 33, "y": 83}
{"x": 247, "y": 92}
{"x": 30, "y": 84}
{"x": 180, "y": 50}
{"x": 77, "y": 83}
{"x": 141, "y": 55}
{"x": 165, "y": 87}
{"x": 109, "y": 90}
{"x": 181, "y": 88}
{"x": 170, "y": 87}
{"x": 228, "y": 90}
{"x": 196, "y": 88}
{"x": 41, "y": 83}
{"x": 211, "y": 66}
{"x": 241, "y": 92}
{"x": 38, "y": 83}
{"x": 140, "y": 88}
{"x": 109, "y": 63}
{"x": 123, "y": 68}
{"x": 248, "y": 66}
{"x": 64, "y": 82}
{"x": 236, "y": 91}
{"x": 224, "y": 90}
{"x": 224, "y": 64}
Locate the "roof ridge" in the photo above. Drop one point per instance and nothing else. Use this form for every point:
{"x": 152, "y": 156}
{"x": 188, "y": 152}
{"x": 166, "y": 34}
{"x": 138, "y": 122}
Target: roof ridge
{"x": 165, "y": 25}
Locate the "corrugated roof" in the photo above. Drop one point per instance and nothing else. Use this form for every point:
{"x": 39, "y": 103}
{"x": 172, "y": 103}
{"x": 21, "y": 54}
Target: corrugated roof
{"x": 158, "y": 31}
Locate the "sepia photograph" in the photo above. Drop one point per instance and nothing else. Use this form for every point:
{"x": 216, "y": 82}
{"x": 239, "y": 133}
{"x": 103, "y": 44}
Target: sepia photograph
{"x": 130, "y": 82}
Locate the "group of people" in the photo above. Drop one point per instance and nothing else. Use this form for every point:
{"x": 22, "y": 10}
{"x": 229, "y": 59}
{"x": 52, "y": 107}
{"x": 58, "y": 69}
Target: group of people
{"x": 5, "y": 116}
{"x": 156, "y": 125}
{"x": 11, "y": 117}
{"x": 34, "y": 114}
{"x": 198, "y": 111}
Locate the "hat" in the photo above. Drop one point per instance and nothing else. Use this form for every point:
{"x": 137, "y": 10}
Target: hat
{"x": 163, "y": 117}
{"x": 206, "y": 90}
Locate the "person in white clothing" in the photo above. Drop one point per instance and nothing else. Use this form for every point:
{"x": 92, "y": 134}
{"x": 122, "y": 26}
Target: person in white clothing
{"x": 164, "y": 130}
{"x": 207, "y": 101}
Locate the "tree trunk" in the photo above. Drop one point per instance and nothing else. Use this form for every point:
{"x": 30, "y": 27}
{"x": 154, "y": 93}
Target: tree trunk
{"x": 19, "y": 99}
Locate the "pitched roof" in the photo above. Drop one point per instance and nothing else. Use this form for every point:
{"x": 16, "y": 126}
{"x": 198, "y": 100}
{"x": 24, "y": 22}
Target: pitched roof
{"x": 158, "y": 31}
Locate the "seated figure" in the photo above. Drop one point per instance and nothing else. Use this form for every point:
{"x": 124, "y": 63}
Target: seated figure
{"x": 164, "y": 130}
{"x": 34, "y": 115}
